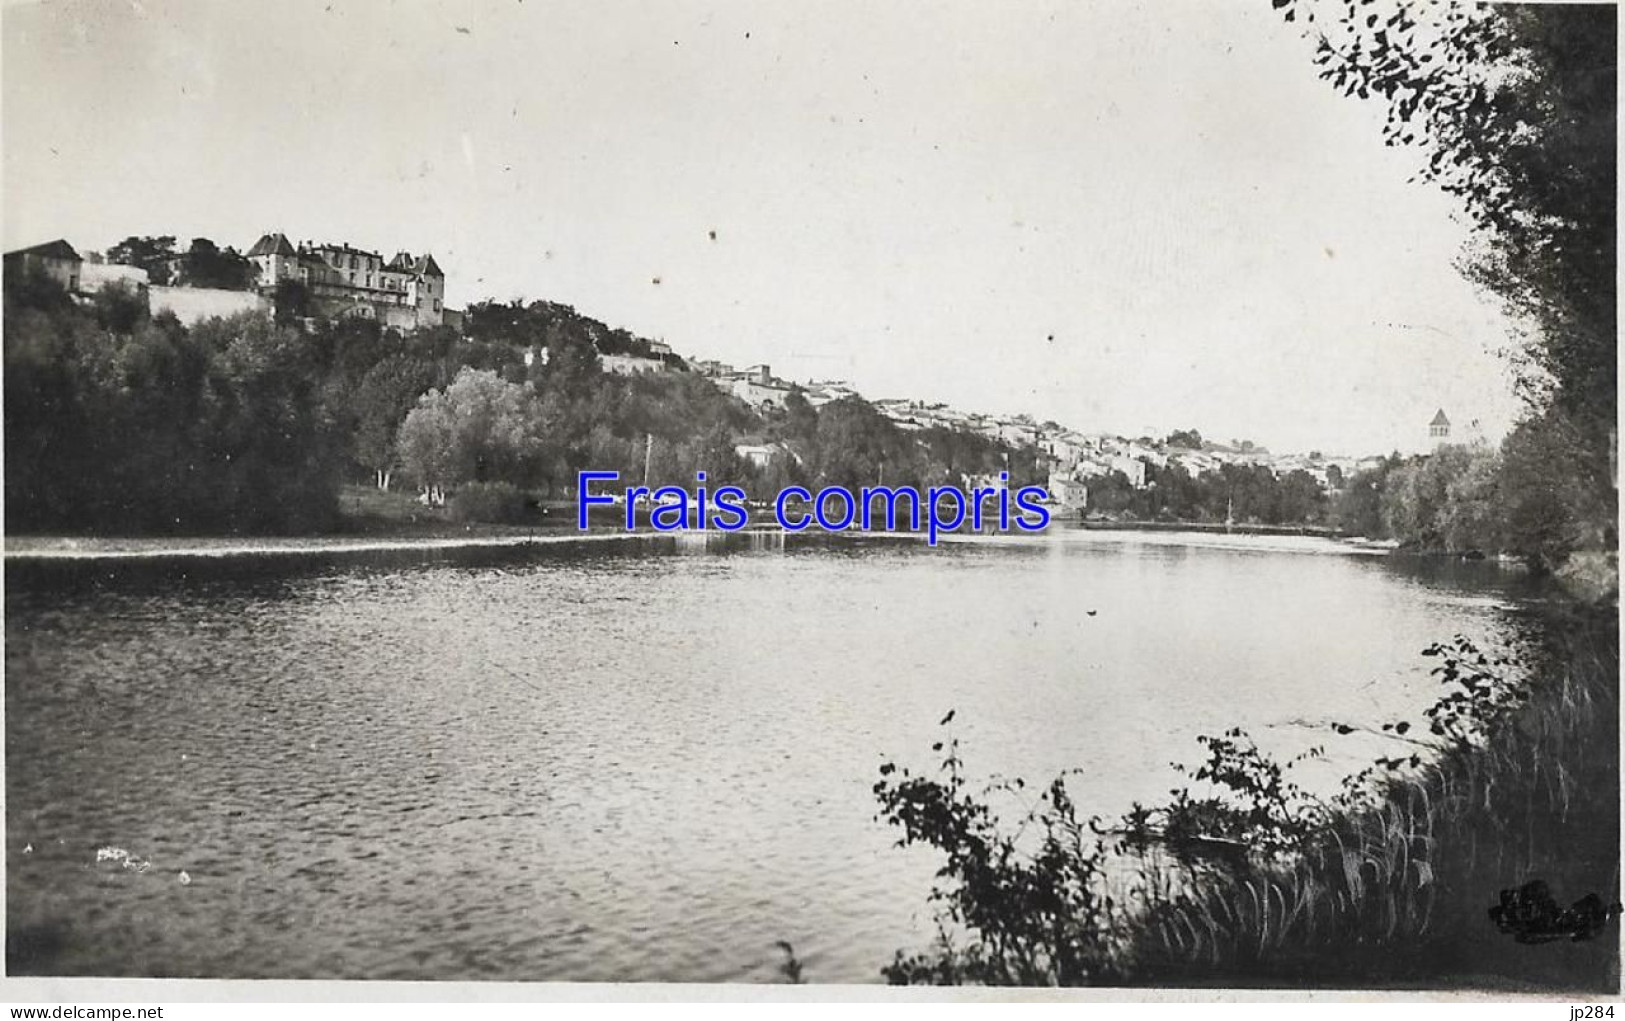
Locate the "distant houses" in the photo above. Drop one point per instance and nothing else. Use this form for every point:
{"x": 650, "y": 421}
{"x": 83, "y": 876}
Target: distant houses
{"x": 1071, "y": 494}
{"x": 630, "y": 365}
{"x": 756, "y": 386}
{"x": 53, "y": 260}
{"x": 407, "y": 292}
{"x": 60, "y": 263}
{"x": 339, "y": 281}
{"x": 763, "y": 455}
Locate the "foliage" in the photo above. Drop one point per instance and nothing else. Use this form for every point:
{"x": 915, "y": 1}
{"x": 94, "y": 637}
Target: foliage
{"x": 1555, "y": 493}
{"x": 119, "y": 308}
{"x": 152, "y": 254}
{"x": 1032, "y": 908}
{"x": 120, "y": 423}
{"x": 1512, "y": 772}
{"x": 1514, "y": 106}
{"x": 500, "y": 503}
{"x": 1536, "y": 497}
{"x": 1357, "y": 507}
{"x": 481, "y": 428}
{"x": 206, "y": 264}
{"x": 291, "y": 301}
{"x": 1250, "y": 494}
{"x": 381, "y": 401}
{"x": 203, "y": 264}
{"x": 1395, "y": 888}
{"x": 1446, "y": 501}
{"x": 1479, "y": 695}
{"x": 1250, "y": 808}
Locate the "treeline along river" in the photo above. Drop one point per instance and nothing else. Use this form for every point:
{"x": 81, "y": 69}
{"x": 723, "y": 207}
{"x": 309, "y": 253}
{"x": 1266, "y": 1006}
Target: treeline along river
{"x": 648, "y": 758}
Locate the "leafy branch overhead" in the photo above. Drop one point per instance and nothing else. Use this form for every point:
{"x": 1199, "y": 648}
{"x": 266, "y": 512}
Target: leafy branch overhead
{"x": 1513, "y": 107}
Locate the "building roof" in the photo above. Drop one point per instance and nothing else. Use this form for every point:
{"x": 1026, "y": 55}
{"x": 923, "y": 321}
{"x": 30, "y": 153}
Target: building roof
{"x": 1439, "y": 419}
{"x": 272, "y": 244}
{"x": 58, "y": 249}
{"x": 423, "y": 265}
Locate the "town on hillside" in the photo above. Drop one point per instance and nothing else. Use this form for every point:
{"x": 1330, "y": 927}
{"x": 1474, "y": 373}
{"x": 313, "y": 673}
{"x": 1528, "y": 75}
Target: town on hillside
{"x": 310, "y": 282}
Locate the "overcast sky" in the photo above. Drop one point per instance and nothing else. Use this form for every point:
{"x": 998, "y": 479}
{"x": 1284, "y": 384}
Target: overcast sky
{"x": 1124, "y": 216}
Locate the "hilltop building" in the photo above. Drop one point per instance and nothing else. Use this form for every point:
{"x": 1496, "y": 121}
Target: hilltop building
{"x": 55, "y": 260}
{"x": 756, "y": 386}
{"x": 1438, "y": 431}
{"x": 405, "y": 292}
{"x": 630, "y": 365}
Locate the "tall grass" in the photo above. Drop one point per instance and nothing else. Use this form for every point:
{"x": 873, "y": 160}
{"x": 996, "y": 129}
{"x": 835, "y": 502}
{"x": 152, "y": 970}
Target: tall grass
{"x": 1393, "y": 886}
{"x": 1397, "y": 889}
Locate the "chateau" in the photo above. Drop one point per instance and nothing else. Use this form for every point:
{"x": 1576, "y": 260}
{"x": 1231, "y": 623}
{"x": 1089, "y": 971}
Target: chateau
{"x": 406, "y": 292}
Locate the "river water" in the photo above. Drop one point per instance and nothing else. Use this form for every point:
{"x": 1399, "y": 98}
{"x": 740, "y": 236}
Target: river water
{"x": 646, "y": 759}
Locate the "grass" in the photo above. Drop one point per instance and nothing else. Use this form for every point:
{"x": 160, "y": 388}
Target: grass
{"x": 1486, "y": 858}
{"x": 1397, "y": 892}
{"x": 368, "y": 510}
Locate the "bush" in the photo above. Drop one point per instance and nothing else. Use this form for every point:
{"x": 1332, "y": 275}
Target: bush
{"x": 1505, "y": 790}
{"x": 499, "y": 503}
{"x": 1028, "y": 901}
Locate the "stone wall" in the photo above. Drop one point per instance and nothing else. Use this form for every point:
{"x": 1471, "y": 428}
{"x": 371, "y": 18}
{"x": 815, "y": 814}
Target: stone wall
{"x": 194, "y": 304}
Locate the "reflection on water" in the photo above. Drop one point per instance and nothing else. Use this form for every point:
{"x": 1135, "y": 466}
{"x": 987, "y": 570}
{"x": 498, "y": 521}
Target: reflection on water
{"x": 623, "y": 761}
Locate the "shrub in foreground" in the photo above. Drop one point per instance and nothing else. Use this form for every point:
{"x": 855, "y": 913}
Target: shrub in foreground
{"x": 1485, "y": 848}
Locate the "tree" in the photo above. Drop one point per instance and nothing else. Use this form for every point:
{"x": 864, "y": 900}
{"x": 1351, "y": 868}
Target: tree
{"x": 1550, "y": 500}
{"x": 1514, "y": 107}
{"x": 1445, "y": 502}
{"x": 1300, "y": 499}
{"x": 276, "y": 453}
{"x": 291, "y": 301}
{"x": 205, "y": 264}
{"x": 1358, "y": 510}
{"x": 801, "y": 421}
{"x": 152, "y": 254}
{"x": 479, "y": 429}
{"x": 851, "y": 441}
{"x": 1471, "y": 517}
{"x": 386, "y": 394}
{"x": 119, "y": 307}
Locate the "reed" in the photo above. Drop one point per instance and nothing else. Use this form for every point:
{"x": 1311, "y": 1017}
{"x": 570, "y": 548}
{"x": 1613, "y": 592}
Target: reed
{"x": 1256, "y": 883}
{"x": 1395, "y": 889}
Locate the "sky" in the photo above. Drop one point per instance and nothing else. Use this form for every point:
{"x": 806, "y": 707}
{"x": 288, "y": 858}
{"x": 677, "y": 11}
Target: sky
{"x": 1126, "y": 217}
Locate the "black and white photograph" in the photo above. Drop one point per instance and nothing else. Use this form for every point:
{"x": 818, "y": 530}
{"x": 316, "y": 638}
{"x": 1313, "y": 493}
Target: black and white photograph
{"x": 1059, "y": 493}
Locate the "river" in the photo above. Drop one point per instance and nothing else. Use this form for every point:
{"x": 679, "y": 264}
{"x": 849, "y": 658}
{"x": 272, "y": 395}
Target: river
{"x": 647, "y": 759}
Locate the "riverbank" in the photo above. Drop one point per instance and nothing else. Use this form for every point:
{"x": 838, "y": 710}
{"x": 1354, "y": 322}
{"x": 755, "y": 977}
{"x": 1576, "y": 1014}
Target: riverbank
{"x": 1399, "y": 893}
{"x": 371, "y": 521}
{"x": 1481, "y": 853}
{"x": 374, "y": 520}
{"x": 1214, "y": 527}
{"x": 451, "y": 537}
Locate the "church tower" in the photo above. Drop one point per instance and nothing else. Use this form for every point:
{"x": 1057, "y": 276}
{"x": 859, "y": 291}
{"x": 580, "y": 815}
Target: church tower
{"x": 1438, "y": 431}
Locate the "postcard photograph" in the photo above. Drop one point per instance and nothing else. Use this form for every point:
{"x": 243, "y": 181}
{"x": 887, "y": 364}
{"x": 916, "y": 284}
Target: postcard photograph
{"x": 1059, "y": 493}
